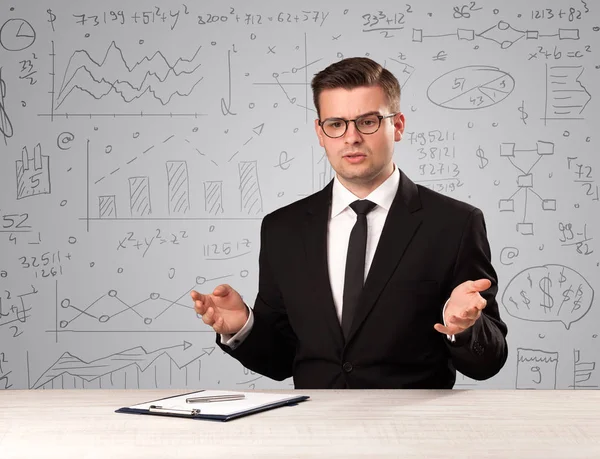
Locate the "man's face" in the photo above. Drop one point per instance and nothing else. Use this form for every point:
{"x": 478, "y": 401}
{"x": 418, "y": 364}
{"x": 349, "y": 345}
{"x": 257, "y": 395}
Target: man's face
{"x": 361, "y": 161}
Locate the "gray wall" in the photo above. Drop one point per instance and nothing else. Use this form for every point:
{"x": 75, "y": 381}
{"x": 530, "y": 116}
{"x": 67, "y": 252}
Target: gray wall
{"x": 140, "y": 147}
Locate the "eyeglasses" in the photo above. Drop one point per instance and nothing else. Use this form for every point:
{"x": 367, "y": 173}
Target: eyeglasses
{"x": 366, "y": 124}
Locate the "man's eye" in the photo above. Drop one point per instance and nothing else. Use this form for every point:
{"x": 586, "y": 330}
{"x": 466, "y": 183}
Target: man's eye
{"x": 367, "y": 122}
{"x": 336, "y": 124}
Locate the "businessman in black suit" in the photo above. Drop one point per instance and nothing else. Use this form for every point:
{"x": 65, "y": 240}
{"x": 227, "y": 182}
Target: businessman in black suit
{"x": 374, "y": 281}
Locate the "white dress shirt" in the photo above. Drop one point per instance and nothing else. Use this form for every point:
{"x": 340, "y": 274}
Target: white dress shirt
{"x": 341, "y": 221}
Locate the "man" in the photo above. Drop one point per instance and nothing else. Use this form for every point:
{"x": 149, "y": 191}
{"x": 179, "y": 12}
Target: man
{"x": 427, "y": 307}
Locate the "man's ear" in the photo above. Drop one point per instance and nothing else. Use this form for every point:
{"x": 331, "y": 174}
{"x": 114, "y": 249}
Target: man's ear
{"x": 399, "y": 123}
{"x": 320, "y": 134}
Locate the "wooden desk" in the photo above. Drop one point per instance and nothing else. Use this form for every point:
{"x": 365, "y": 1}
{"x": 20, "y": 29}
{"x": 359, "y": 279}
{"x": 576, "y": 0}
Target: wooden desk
{"x": 367, "y": 423}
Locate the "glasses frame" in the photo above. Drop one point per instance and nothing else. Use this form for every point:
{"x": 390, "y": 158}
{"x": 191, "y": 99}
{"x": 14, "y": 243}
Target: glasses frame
{"x": 379, "y": 117}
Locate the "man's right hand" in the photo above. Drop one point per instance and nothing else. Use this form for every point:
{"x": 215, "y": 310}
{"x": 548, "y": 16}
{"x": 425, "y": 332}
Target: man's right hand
{"x": 224, "y": 310}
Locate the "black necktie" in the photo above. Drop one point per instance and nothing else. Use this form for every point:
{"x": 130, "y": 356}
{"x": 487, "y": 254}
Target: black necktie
{"x": 355, "y": 263}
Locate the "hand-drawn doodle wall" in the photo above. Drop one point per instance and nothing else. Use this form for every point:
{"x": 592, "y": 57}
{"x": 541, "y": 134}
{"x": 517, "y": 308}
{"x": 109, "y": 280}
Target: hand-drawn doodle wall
{"x": 140, "y": 147}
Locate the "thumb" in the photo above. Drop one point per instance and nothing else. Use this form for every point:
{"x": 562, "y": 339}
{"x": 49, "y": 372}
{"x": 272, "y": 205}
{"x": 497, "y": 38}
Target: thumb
{"x": 222, "y": 290}
{"x": 480, "y": 285}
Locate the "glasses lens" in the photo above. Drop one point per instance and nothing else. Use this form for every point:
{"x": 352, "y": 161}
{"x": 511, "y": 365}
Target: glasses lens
{"x": 334, "y": 127}
{"x": 367, "y": 124}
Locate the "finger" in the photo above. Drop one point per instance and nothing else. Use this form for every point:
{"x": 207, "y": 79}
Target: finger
{"x": 209, "y": 316}
{"x": 471, "y": 315}
{"x": 222, "y": 290}
{"x": 444, "y": 330}
{"x": 480, "y": 285}
{"x": 196, "y": 295}
{"x": 459, "y": 322}
{"x": 472, "y": 312}
{"x": 218, "y": 325}
{"x": 200, "y": 306}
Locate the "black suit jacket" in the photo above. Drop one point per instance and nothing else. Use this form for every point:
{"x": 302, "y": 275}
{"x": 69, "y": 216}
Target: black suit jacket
{"x": 430, "y": 243}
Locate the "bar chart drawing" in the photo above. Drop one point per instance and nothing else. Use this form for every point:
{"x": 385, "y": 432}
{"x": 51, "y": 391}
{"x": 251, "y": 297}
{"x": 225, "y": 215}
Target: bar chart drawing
{"x": 250, "y": 197}
{"x": 139, "y": 196}
{"x": 179, "y": 189}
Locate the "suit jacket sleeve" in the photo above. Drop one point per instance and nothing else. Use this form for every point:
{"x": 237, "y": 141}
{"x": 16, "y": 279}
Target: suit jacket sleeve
{"x": 480, "y": 351}
{"x": 270, "y": 347}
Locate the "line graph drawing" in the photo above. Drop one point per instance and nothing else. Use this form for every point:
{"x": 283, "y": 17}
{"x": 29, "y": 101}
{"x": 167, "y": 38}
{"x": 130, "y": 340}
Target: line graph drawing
{"x": 501, "y": 33}
{"x": 525, "y": 182}
{"x": 134, "y": 368}
{"x": 154, "y": 76}
{"x": 111, "y": 311}
{"x": 471, "y": 88}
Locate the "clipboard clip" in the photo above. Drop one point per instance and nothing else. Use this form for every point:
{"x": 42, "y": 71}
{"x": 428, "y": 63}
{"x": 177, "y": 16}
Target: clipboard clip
{"x": 160, "y": 410}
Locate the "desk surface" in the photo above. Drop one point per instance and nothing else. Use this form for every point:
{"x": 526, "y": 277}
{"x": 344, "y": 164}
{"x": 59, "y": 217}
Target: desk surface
{"x": 359, "y": 423}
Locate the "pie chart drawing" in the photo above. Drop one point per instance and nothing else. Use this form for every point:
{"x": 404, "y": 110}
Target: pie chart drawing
{"x": 471, "y": 88}
{"x": 16, "y": 35}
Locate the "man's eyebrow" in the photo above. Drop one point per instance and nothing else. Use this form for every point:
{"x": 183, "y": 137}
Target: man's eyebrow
{"x": 374, "y": 112}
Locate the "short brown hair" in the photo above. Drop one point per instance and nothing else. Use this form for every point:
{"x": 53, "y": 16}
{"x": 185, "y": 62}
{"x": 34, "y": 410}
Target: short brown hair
{"x": 354, "y": 72}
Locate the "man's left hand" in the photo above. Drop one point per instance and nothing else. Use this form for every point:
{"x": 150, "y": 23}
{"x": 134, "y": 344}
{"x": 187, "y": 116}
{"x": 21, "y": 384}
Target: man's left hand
{"x": 464, "y": 306}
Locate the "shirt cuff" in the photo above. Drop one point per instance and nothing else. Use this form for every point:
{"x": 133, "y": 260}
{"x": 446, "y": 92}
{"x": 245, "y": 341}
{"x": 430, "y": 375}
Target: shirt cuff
{"x": 450, "y": 337}
{"x": 234, "y": 341}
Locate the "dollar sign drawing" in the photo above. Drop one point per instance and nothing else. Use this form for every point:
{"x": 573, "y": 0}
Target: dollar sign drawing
{"x": 524, "y": 114}
{"x": 525, "y": 299}
{"x": 547, "y": 300}
{"x": 566, "y": 294}
{"x": 577, "y": 302}
{"x": 562, "y": 277}
{"x": 52, "y": 18}
{"x": 482, "y": 159}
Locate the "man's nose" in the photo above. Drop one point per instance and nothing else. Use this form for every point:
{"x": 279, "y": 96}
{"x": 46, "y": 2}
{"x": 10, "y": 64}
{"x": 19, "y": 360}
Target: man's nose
{"x": 352, "y": 134}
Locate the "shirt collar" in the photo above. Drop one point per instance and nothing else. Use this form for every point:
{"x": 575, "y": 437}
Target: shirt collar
{"x": 383, "y": 195}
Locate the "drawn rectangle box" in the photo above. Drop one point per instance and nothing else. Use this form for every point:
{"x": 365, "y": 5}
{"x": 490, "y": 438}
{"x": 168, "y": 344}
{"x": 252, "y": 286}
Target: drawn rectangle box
{"x": 507, "y": 149}
{"x": 107, "y": 206}
{"x": 525, "y": 181}
{"x": 466, "y": 34}
{"x": 545, "y": 148}
{"x": 506, "y": 205}
{"x": 549, "y": 204}
{"x": 536, "y": 369}
{"x": 532, "y": 35}
{"x": 417, "y": 35}
{"x": 568, "y": 34}
{"x": 526, "y": 229}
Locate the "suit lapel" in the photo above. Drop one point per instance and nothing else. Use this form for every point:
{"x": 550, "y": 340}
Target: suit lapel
{"x": 402, "y": 222}
{"x": 315, "y": 240}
